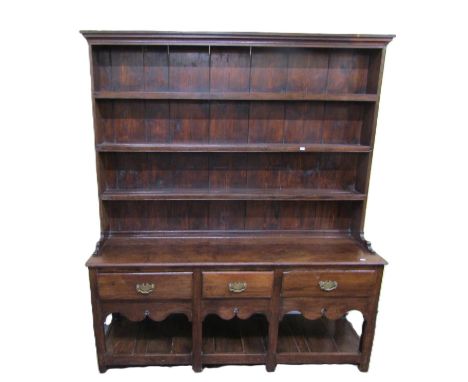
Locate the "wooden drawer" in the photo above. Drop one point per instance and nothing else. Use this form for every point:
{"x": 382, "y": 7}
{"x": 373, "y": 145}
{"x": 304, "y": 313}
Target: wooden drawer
{"x": 237, "y": 284}
{"x": 329, "y": 283}
{"x": 163, "y": 286}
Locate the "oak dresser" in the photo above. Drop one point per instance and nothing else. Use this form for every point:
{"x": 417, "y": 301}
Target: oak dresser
{"x": 233, "y": 174}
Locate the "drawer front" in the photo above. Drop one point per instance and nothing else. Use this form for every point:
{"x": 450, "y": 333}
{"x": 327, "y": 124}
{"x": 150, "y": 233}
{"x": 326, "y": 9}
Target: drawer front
{"x": 162, "y": 286}
{"x": 329, "y": 283}
{"x": 237, "y": 284}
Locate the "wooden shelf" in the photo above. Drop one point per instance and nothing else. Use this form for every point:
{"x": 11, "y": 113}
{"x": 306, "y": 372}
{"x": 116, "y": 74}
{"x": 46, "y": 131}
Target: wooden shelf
{"x": 322, "y": 340}
{"x": 232, "y": 194}
{"x": 232, "y": 147}
{"x": 235, "y": 336}
{"x": 157, "y": 342}
{"x": 299, "y": 340}
{"x": 236, "y": 96}
{"x": 228, "y": 249}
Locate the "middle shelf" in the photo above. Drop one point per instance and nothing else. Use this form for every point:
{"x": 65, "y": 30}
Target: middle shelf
{"x": 306, "y": 176}
{"x": 239, "y": 147}
{"x": 231, "y": 194}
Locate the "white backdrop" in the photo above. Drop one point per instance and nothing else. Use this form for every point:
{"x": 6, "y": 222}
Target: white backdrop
{"x": 49, "y": 212}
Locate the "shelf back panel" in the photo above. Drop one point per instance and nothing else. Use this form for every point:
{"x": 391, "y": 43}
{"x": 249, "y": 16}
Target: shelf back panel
{"x": 233, "y": 69}
{"x": 132, "y": 216}
{"x": 146, "y": 121}
{"x": 227, "y": 171}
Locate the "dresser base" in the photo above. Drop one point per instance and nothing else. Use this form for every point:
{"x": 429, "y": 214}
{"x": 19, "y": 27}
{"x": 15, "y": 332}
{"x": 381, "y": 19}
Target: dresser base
{"x": 281, "y": 311}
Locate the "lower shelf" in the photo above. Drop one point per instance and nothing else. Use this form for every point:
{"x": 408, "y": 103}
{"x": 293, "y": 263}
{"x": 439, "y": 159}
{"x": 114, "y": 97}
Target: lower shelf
{"x": 149, "y": 342}
{"x": 317, "y": 341}
{"x": 233, "y": 341}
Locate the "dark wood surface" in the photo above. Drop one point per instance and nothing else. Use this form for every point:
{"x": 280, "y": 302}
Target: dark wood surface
{"x": 225, "y": 339}
{"x": 239, "y": 96}
{"x": 290, "y": 250}
{"x": 257, "y": 284}
{"x": 232, "y": 194}
{"x": 122, "y": 286}
{"x": 233, "y": 157}
{"x": 349, "y": 283}
{"x": 147, "y": 337}
{"x": 135, "y": 121}
{"x": 236, "y": 39}
{"x": 231, "y": 147}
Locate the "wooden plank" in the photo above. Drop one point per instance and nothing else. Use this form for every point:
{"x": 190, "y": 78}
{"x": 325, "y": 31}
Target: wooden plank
{"x": 286, "y": 340}
{"x": 342, "y": 123}
{"x": 212, "y": 248}
{"x": 348, "y": 72}
{"x": 144, "y": 332}
{"x": 269, "y": 70}
{"x": 123, "y": 338}
{"x": 254, "y": 334}
{"x": 233, "y": 359}
{"x": 157, "y": 121}
{"x": 307, "y": 70}
{"x": 266, "y": 121}
{"x": 230, "y": 147}
{"x": 189, "y": 121}
{"x": 229, "y": 69}
{"x": 117, "y": 360}
{"x": 128, "y": 121}
{"x": 189, "y": 69}
{"x": 127, "y": 68}
{"x": 156, "y": 68}
{"x": 318, "y": 358}
{"x": 181, "y": 332}
{"x": 159, "y": 341}
{"x": 229, "y": 122}
{"x": 102, "y": 74}
{"x": 231, "y": 194}
{"x": 241, "y": 96}
{"x": 344, "y": 335}
{"x": 317, "y": 336}
{"x": 303, "y": 122}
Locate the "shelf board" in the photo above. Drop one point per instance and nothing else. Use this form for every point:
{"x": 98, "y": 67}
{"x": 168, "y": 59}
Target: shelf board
{"x": 317, "y": 341}
{"x": 232, "y": 194}
{"x": 242, "y": 337}
{"x": 232, "y": 249}
{"x": 236, "y": 96}
{"x": 151, "y": 341}
{"x": 232, "y": 147}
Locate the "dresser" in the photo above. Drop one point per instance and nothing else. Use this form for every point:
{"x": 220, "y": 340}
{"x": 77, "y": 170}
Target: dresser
{"x": 233, "y": 175}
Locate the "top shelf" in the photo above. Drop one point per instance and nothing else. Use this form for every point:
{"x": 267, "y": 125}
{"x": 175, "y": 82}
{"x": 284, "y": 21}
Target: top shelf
{"x": 235, "y": 96}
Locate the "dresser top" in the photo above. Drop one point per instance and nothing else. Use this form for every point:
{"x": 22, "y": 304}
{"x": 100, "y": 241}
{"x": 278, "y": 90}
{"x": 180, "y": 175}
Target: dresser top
{"x": 237, "y": 39}
{"x": 256, "y": 251}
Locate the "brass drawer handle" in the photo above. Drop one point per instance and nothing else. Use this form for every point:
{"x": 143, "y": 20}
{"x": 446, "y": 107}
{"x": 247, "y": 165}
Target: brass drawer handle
{"x": 237, "y": 286}
{"x": 328, "y": 285}
{"x": 145, "y": 288}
